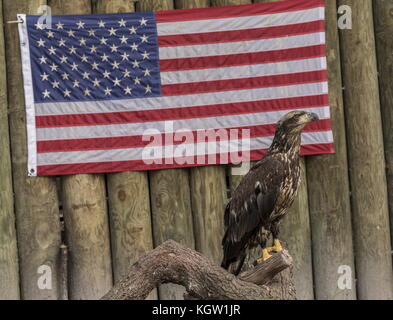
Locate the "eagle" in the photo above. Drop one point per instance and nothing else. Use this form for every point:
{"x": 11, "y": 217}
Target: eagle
{"x": 265, "y": 193}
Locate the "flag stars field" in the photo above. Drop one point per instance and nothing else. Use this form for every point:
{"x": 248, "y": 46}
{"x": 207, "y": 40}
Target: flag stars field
{"x": 91, "y": 59}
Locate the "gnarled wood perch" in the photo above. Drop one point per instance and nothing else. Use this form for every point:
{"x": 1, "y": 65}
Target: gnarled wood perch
{"x": 173, "y": 263}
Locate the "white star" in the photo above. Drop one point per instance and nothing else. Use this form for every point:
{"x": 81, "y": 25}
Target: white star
{"x": 135, "y": 64}
{"x": 75, "y": 84}
{"x": 66, "y": 93}
{"x": 103, "y": 40}
{"x": 93, "y": 49}
{"x": 123, "y": 39}
{"x": 53, "y": 67}
{"x": 104, "y": 57}
{"x": 87, "y": 92}
{"x": 126, "y": 73}
{"x": 147, "y": 89}
{"x": 94, "y": 66}
{"x": 80, "y": 24}
{"x": 55, "y": 84}
{"x": 72, "y": 50}
{"x": 43, "y": 60}
{"x": 91, "y": 32}
{"x": 62, "y": 42}
{"x": 143, "y": 21}
{"x": 59, "y": 25}
{"x": 145, "y": 55}
{"x": 132, "y": 30}
{"x": 115, "y": 65}
{"x": 134, "y": 47}
{"x": 82, "y": 41}
{"x": 44, "y": 76}
{"x": 71, "y": 33}
{"x": 65, "y": 76}
{"x": 112, "y": 31}
{"x": 137, "y": 81}
{"x": 101, "y": 24}
{"x": 146, "y": 72}
{"x": 86, "y": 75}
{"x": 84, "y": 58}
{"x": 127, "y": 90}
{"x": 114, "y": 48}
{"x": 63, "y": 59}
{"x": 107, "y": 91}
{"x": 96, "y": 82}
{"x": 122, "y": 23}
{"x": 116, "y": 82}
{"x": 106, "y": 74}
{"x": 41, "y": 43}
{"x": 50, "y": 34}
{"x": 125, "y": 56}
{"x": 144, "y": 38}
{"x": 46, "y": 93}
{"x": 39, "y": 26}
{"x": 52, "y": 50}
{"x": 74, "y": 66}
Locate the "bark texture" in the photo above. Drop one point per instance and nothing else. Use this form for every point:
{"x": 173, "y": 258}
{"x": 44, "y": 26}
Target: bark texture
{"x": 174, "y": 263}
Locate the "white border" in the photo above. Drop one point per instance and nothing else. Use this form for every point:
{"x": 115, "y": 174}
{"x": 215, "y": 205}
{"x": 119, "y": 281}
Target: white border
{"x": 29, "y": 97}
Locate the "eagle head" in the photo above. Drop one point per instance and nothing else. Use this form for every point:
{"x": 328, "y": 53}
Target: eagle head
{"x": 288, "y": 129}
{"x": 293, "y": 122}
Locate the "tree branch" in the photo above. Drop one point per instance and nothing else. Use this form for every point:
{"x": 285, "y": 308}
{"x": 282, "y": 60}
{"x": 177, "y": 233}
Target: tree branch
{"x": 174, "y": 263}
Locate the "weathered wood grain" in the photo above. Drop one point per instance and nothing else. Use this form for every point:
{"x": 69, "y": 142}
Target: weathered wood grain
{"x": 154, "y": 5}
{"x": 366, "y": 156}
{"x": 174, "y": 263}
{"x": 189, "y": 4}
{"x": 208, "y": 198}
{"x": 36, "y": 202}
{"x": 208, "y": 193}
{"x": 9, "y": 275}
{"x": 87, "y": 235}
{"x": 328, "y": 188}
{"x": 128, "y": 196}
{"x": 85, "y": 213}
{"x": 171, "y": 215}
{"x": 217, "y": 3}
{"x": 383, "y": 20}
{"x": 112, "y": 6}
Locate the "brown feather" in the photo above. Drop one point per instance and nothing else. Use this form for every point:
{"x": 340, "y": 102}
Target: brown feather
{"x": 264, "y": 194}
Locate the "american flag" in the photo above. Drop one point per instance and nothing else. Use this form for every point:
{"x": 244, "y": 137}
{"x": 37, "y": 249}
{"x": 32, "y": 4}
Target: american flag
{"x": 96, "y": 84}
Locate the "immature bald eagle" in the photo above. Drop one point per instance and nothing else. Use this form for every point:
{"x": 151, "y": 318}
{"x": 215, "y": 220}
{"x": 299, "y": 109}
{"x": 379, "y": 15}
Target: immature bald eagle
{"x": 264, "y": 194}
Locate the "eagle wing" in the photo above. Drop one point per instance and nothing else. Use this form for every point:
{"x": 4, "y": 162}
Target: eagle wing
{"x": 251, "y": 205}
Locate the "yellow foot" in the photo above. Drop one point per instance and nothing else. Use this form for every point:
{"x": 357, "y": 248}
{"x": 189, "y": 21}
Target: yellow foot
{"x": 276, "y": 248}
{"x": 265, "y": 256}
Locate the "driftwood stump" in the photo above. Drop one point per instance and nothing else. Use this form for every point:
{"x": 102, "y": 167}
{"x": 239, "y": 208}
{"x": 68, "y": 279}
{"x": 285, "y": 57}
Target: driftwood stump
{"x": 173, "y": 263}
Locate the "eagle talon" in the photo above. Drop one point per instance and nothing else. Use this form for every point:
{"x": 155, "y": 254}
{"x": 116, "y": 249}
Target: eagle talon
{"x": 265, "y": 256}
{"x": 276, "y": 248}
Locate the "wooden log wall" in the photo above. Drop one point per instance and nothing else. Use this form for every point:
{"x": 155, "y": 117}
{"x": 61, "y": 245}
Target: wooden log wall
{"x": 9, "y": 269}
{"x": 383, "y": 19}
{"x": 340, "y": 217}
{"x": 366, "y": 154}
{"x": 328, "y": 187}
{"x": 35, "y": 199}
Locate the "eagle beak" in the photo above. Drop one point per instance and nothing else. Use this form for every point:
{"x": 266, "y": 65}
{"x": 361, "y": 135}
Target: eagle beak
{"x": 313, "y": 116}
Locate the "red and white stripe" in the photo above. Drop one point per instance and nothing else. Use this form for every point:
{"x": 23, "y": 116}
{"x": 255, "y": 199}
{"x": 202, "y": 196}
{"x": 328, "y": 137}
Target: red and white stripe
{"x": 249, "y": 66}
